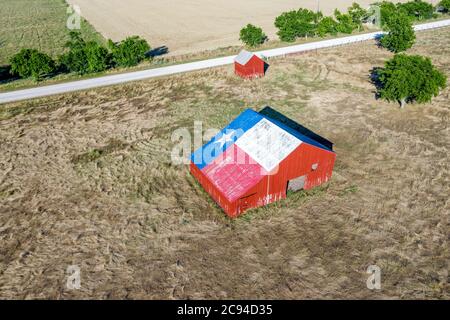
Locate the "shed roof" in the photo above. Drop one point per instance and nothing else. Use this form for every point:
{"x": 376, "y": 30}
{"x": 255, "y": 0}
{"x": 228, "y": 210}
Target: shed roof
{"x": 243, "y": 57}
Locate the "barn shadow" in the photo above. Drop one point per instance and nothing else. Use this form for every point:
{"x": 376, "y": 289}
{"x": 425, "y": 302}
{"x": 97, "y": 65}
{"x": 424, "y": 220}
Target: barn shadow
{"x": 266, "y": 67}
{"x": 273, "y": 114}
{"x": 156, "y": 52}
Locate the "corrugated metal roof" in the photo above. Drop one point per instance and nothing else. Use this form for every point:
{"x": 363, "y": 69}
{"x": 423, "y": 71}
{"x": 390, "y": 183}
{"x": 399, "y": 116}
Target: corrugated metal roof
{"x": 243, "y": 57}
{"x": 249, "y": 148}
{"x": 298, "y": 134}
{"x": 233, "y": 175}
{"x": 267, "y": 144}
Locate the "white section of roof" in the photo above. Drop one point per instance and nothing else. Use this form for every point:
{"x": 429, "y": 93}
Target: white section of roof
{"x": 267, "y": 144}
{"x": 243, "y": 57}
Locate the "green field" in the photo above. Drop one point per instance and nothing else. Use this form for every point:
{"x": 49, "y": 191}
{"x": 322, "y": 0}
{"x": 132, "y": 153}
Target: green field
{"x": 39, "y": 24}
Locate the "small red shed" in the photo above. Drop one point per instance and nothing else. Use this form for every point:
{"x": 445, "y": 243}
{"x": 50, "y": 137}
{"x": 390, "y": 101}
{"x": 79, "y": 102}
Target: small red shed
{"x": 258, "y": 157}
{"x": 248, "y": 65}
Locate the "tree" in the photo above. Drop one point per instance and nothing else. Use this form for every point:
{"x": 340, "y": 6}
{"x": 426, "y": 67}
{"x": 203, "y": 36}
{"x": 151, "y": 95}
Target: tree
{"x": 294, "y": 24}
{"x": 327, "y": 25}
{"x": 84, "y": 57}
{"x": 252, "y": 36}
{"x": 401, "y": 34}
{"x": 358, "y": 14}
{"x": 417, "y": 9}
{"x": 98, "y": 57}
{"x": 407, "y": 78}
{"x": 445, "y": 5}
{"x": 129, "y": 52}
{"x": 345, "y": 22}
{"x": 387, "y": 10}
{"x": 32, "y": 63}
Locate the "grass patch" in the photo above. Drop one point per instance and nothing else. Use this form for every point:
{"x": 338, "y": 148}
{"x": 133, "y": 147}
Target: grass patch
{"x": 38, "y": 24}
{"x": 96, "y": 153}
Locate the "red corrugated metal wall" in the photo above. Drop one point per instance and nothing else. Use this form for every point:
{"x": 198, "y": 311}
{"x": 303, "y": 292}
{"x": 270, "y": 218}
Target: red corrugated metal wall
{"x": 254, "y": 68}
{"x": 273, "y": 187}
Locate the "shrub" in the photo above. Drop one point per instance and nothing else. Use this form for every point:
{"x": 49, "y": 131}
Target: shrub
{"x": 294, "y": 24}
{"x": 445, "y": 5}
{"x": 401, "y": 34}
{"x": 84, "y": 57}
{"x": 97, "y": 57}
{"x": 327, "y": 25}
{"x": 407, "y": 78}
{"x": 345, "y": 22}
{"x": 32, "y": 63}
{"x": 252, "y": 36}
{"x": 129, "y": 52}
{"x": 387, "y": 10}
{"x": 417, "y": 9}
{"x": 358, "y": 15}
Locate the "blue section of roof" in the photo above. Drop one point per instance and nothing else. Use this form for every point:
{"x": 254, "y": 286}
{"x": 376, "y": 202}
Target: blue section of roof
{"x": 214, "y": 148}
{"x": 297, "y": 134}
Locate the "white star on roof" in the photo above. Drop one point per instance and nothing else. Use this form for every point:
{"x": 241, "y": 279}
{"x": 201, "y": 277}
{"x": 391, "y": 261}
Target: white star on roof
{"x": 225, "y": 138}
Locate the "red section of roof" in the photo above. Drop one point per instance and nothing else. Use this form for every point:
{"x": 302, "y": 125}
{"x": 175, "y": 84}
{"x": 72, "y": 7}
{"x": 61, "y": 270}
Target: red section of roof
{"x": 234, "y": 173}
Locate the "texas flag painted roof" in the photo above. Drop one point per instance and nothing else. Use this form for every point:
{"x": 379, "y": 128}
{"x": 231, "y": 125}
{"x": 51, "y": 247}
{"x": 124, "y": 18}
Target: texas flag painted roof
{"x": 249, "y": 148}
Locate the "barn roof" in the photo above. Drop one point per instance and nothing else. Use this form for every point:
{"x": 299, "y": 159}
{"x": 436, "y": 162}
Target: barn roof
{"x": 243, "y": 57}
{"x": 248, "y": 149}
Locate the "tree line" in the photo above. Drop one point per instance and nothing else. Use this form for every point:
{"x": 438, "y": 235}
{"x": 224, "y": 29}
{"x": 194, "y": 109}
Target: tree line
{"x": 404, "y": 78}
{"x": 304, "y": 23}
{"x": 81, "y": 57}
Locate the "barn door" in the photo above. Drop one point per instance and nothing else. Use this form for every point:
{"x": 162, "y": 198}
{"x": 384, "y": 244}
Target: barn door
{"x": 297, "y": 183}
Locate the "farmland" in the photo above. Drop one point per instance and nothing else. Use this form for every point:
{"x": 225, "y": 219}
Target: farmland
{"x": 86, "y": 179}
{"x": 35, "y": 24}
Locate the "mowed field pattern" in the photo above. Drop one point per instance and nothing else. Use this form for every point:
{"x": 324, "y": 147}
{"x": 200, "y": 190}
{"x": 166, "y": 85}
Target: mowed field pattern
{"x": 196, "y": 25}
{"x": 38, "y": 24}
{"x": 86, "y": 179}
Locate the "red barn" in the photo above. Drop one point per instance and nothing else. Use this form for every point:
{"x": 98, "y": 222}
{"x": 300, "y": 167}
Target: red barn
{"x": 248, "y": 65}
{"x": 258, "y": 157}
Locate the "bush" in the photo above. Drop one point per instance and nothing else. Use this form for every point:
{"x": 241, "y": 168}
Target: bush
{"x": 358, "y": 15}
{"x": 345, "y": 22}
{"x": 410, "y": 78}
{"x": 84, "y": 57}
{"x": 417, "y": 9}
{"x": 294, "y": 24}
{"x": 252, "y": 36}
{"x": 327, "y": 25}
{"x": 387, "y": 10}
{"x": 97, "y": 57}
{"x": 445, "y": 5}
{"x": 31, "y": 63}
{"x": 129, "y": 52}
{"x": 401, "y": 34}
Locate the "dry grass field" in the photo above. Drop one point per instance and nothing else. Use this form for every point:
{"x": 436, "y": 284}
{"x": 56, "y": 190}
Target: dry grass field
{"x": 196, "y": 25}
{"x": 38, "y": 24}
{"x": 85, "y": 179}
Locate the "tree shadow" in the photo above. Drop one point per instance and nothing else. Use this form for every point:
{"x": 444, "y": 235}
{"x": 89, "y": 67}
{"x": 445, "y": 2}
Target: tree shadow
{"x": 378, "y": 39}
{"x": 375, "y": 80}
{"x": 156, "y": 52}
{"x": 5, "y": 74}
